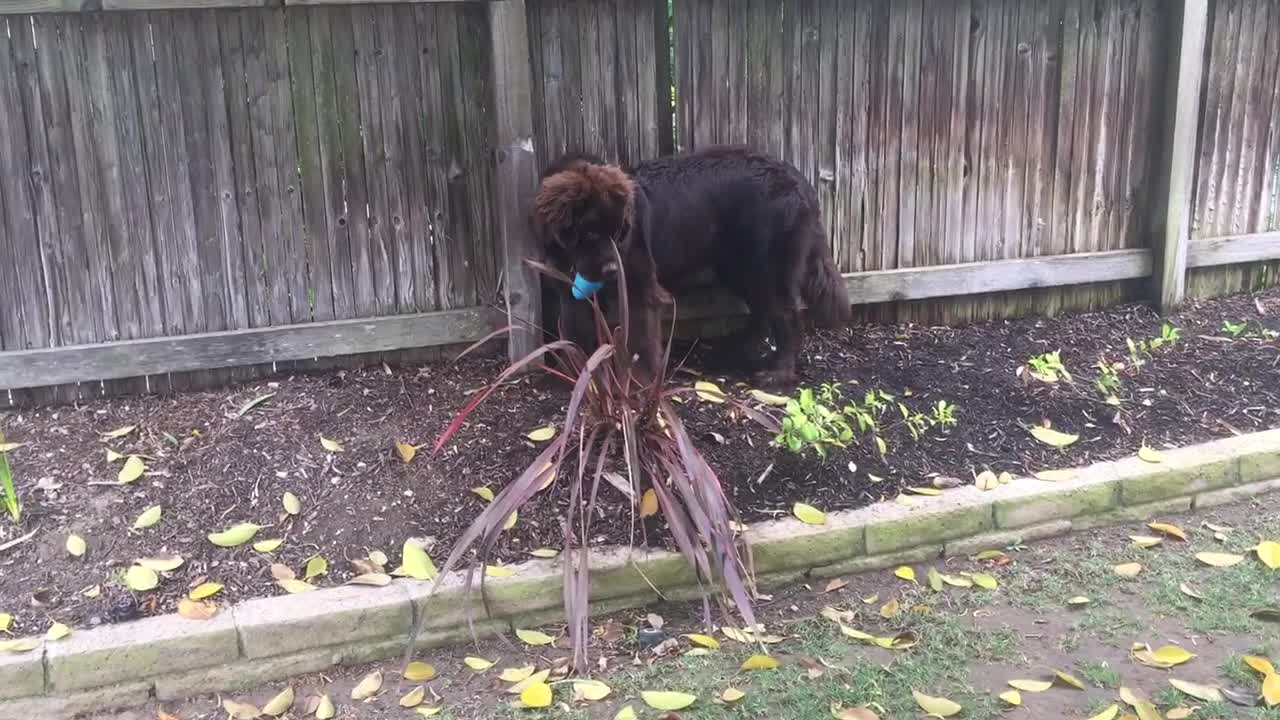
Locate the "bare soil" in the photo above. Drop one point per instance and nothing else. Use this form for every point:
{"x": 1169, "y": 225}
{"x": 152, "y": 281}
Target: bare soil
{"x": 210, "y": 467}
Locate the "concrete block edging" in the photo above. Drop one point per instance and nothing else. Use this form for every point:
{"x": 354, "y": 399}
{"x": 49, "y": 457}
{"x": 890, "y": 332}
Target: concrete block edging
{"x": 272, "y": 638}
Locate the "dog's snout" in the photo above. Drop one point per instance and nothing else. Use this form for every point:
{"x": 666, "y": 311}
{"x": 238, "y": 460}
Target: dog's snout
{"x": 610, "y": 268}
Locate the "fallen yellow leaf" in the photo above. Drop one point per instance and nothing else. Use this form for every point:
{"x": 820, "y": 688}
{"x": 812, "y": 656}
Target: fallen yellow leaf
{"x": 1269, "y": 553}
{"x": 905, "y": 573}
{"x": 141, "y": 579}
{"x": 414, "y": 697}
{"x": 592, "y": 690}
{"x": 235, "y": 536}
{"x": 760, "y": 662}
{"x": 406, "y": 452}
{"x": 1260, "y": 664}
{"x": 325, "y": 710}
{"x": 332, "y": 446}
{"x": 649, "y": 503}
{"x": 809, "y": 514}
{"x": 279, "y": 704}
{"x": 419, "y": 672}
{"x": 268, "y": 546}
{"x": 1055, "y": 475}
{"x": 534, "y": 637}
{"x": 1069, "y": 679}
{"x": 985, "y": 581}
{"x": 935, "y": 579}
{"x": 478, "y": 664}
{"x": 498, "y": 571}
{"x": 294, "y": 586}
{"x": 625, "y": 713}
{"x": 542, "y": 434}
{"x": 1170, "y": 530}
{"x": 485, "y": 493}
{"x": 1052, "y": 437}
{"x": 1146, "y": 454}
{"x": 1220, "y": 560}
{"x": 118, "y": 432}
{"x": 132, "y": 470}
{"x": 941, "y": 707}
{"x": 1271, "y": 689}
{"x": 1171, "y": 655}
{"x": 76, "y": 546}
{"x": 316, "y": 566}
{"x": 148, "y": 518}
{"x": 765, "y": 398}
{"x": 665, "y": 700}
{"x": 165, "y": 563}
{"x": 57, "y": 631}
{"x": 292, "y": 504}
{"x": 1034, "y": 686}
{"x": 205, "y": 590}
{"x": 1145, "y": 541}
{"x": 705, "y": 641}
{"x": 1012, "y": 697}
{"x": 732, "y": 695}
{"x": 368, "y": 686}
{"x": 1207, "y": 693}
{"x": 417, "y": 564}
{"x": 708, "y": 391}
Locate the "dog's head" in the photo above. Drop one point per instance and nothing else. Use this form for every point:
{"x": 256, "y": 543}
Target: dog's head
{"x": 583, "y": 207}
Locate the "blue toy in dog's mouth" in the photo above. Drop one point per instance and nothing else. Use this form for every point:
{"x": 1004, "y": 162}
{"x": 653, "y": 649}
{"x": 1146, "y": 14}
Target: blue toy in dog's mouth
{"x": 584, "y": 288}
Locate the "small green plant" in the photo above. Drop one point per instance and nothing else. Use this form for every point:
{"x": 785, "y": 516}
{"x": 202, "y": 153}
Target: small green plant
{"x": 1109, "y": 382}
{"x": 8, "y": 493}
{"x": 811, "y": 420}
{"x": 1169, "y": 335}
{"x": 944, "y": 414}
{"x": 1235, "y": 330}
{"x": 1048, "y": 367}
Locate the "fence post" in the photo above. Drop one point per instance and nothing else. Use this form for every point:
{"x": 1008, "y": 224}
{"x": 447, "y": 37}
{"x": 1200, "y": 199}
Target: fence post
{"x": 516, "y": 171}
{"x": 1177, "y": 157}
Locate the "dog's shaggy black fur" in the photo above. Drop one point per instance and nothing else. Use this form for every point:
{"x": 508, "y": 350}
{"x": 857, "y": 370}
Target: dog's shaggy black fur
{"x": 751, "y": 219}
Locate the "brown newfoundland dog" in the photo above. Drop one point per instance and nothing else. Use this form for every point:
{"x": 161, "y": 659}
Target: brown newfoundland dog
{"x": 752, "y": 220}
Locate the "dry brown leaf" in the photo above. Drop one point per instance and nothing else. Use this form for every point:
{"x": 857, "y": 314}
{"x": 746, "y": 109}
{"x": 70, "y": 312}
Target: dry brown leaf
{"x": 1128, "y": 570}
{"x": 196, "y": 609}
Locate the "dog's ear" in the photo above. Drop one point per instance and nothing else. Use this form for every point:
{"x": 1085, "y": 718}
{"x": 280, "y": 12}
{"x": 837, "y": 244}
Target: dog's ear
{"x": 554, "y": 204}
{"x": 617, "y": 186}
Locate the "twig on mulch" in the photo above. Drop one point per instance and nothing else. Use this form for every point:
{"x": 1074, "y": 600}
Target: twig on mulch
{"x": 17, "y": 541}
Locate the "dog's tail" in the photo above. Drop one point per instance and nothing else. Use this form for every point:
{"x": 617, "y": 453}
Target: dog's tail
{"x": 824, "y": 289}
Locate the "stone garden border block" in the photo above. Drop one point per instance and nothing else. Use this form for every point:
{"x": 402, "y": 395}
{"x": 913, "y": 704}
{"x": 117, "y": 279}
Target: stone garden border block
{"x": 276, "y": 637}
{"x": 139, "y": 649}
{"x": 22, "y": 674}
{"x": 351, "y": 613}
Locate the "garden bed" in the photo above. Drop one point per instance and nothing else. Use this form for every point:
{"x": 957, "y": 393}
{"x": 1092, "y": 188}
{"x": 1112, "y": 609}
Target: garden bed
{"x": 210, "y": 467}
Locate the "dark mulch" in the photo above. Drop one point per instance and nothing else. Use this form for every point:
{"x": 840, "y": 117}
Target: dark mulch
{"x": 210, "y": 469}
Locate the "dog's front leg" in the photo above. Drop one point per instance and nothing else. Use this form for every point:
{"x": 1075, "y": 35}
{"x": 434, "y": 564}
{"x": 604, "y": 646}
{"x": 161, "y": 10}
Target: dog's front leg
{"x": 645, "y": 338}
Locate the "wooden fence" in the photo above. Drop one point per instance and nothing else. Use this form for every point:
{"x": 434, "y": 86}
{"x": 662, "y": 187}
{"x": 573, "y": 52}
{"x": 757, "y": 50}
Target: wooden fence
{"x": 185, "y": 193}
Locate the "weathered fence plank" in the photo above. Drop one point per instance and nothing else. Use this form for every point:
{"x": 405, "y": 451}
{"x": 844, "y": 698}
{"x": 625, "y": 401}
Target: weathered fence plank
{"x": 517, "y": 173}
{"x": 236, "y": 348}
{"x": 1178, "y": 172}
